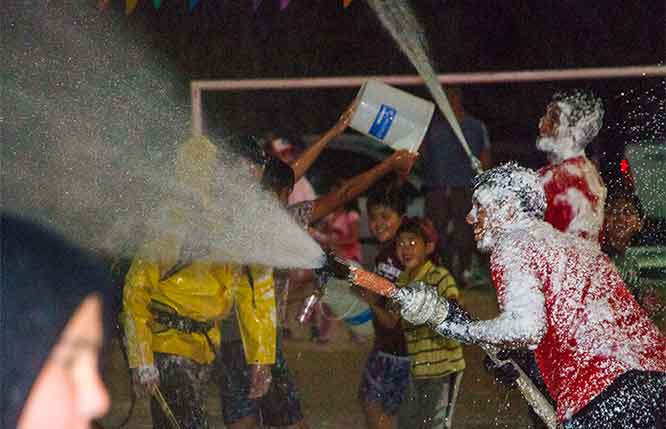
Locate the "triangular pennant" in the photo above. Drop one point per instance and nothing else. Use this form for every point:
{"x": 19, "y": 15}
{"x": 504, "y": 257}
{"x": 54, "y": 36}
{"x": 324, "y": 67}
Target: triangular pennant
{"x": 157, "y": 3}
{"x": 130, "y": 5}
{"x": 256, "y": 4}
{"x": 346, "y": 3}
{"x": 191, "y": 4}
{"x": 284, "y": 4}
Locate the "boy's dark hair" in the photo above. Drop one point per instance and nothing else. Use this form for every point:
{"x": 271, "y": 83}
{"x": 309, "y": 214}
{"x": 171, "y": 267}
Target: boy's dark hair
{"x": 421, "y": 226}
{"x": 277, "y": 176}
{"x": 390, "y": 193}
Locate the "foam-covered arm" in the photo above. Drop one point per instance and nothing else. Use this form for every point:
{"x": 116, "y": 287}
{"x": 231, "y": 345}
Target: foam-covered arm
{"x": 420, "y": 304}
{"x": 520, "y": 323}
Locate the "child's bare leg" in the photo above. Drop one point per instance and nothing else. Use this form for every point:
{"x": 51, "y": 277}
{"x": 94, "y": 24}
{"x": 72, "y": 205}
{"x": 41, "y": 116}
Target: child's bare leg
{"x": 376, "y": 418}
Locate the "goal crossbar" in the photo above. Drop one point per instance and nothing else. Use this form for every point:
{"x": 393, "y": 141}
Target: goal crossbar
{"x": 198, "y": 86}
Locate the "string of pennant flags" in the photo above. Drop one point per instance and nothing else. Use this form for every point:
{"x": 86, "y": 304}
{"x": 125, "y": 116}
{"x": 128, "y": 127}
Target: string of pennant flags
{"x": 130, "y": 5}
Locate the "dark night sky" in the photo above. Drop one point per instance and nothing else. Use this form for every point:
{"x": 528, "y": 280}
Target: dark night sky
{"x": 224, "y": 39}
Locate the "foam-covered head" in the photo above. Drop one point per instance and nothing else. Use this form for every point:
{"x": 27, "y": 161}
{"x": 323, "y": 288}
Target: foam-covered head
{"x": 196, "y": 164}
{"x": 503, "y": 196}
{"x": 571, "y": 121}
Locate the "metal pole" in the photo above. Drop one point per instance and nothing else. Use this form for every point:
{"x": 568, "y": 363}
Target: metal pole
{"x": 414, "y": 80}
{"x": 197, "y": 110}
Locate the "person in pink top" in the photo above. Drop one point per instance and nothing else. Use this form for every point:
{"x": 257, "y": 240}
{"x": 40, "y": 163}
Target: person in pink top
{"x": 575, "y": 192}
{"x": 603, "y": 360}
{"x": 339, "y": 231}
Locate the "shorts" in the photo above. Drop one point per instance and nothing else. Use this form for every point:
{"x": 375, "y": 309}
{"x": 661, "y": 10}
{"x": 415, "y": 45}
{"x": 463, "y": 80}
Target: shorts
{"x": 184, "y": 384}
{"x": 634, "y": 400}
{"x": 279, "y": 407}
{"x": 430, "y": 402}
{"x": 385, "y": 380}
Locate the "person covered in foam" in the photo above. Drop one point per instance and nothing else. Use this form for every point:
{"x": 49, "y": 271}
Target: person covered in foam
{"x": 603, "y": 360}
{"x": 575, "y": 192}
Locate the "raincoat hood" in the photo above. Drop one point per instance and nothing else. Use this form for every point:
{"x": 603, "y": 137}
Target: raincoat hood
{"x": 43, "y": 281}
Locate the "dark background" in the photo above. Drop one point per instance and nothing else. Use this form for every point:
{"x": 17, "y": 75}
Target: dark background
{"x": 226, "y": 39}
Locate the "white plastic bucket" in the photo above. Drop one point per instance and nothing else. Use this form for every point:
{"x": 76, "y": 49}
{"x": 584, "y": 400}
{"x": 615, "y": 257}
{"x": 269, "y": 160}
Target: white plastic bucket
{"x": 355, "y": 312}
{"x": 391, "y": 116}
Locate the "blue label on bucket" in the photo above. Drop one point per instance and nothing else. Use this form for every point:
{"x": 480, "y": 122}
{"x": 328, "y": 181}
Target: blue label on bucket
{"x": 383, "y": 121}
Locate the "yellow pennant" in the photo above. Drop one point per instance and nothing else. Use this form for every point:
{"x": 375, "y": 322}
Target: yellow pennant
{"x": 130, "y": 5}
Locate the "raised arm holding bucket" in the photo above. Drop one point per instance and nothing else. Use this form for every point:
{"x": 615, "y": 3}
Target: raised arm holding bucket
{"x": 394, "y": 117}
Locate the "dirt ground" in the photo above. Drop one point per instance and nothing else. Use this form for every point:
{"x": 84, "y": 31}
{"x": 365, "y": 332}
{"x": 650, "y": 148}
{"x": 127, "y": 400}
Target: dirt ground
{"x": 328, "y": 376}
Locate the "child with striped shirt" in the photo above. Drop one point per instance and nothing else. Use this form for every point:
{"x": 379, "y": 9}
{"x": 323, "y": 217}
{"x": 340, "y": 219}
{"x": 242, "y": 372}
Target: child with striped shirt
{"x": 437, "y": 362}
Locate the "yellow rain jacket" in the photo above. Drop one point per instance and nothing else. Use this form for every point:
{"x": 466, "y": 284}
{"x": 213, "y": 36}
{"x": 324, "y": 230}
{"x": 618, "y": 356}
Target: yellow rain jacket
{"x": 202, "y": 291}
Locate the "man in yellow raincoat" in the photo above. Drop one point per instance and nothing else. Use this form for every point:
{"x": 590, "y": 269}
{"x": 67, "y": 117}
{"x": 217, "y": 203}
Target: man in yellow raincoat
{"x": 176, "y": 292}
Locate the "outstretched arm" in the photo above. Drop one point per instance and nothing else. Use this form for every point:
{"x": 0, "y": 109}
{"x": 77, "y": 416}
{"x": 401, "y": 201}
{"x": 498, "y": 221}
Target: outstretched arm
{"x": 309, "y": 156}
{"x": 521, "y": 321}
{"x": 400, "y": 161}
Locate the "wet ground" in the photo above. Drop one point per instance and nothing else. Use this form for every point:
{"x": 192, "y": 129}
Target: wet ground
{"x": 328, "y": 376}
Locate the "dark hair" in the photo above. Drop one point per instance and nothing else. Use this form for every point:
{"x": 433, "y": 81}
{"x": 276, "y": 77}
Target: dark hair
{"x": 390, "y": 193}
{"x": 277, "y": 175}
{"x": 420, "y": 226}
{"x": 248, "y": 147}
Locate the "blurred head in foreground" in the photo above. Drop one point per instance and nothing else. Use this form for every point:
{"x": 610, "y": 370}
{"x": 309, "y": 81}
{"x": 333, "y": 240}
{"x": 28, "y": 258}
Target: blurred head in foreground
{"x": 53, "y": 312}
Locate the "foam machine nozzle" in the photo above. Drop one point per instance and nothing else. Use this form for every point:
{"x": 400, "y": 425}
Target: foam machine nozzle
{"x": 334, "y": 266}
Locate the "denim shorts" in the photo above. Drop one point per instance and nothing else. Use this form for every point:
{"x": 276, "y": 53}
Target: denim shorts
{"x": 385, "y": 380}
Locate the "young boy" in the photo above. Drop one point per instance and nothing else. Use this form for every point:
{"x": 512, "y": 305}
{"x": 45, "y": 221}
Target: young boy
{"x": 386, "y": 376}
{"x": 437, "y": 363}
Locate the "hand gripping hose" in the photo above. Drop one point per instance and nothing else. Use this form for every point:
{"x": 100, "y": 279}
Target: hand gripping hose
{"x": 338, "y": 267}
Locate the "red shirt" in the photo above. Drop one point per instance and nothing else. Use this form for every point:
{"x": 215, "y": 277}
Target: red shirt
{"x": 595, "y": 330}
{"x": 575, "y": 197}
